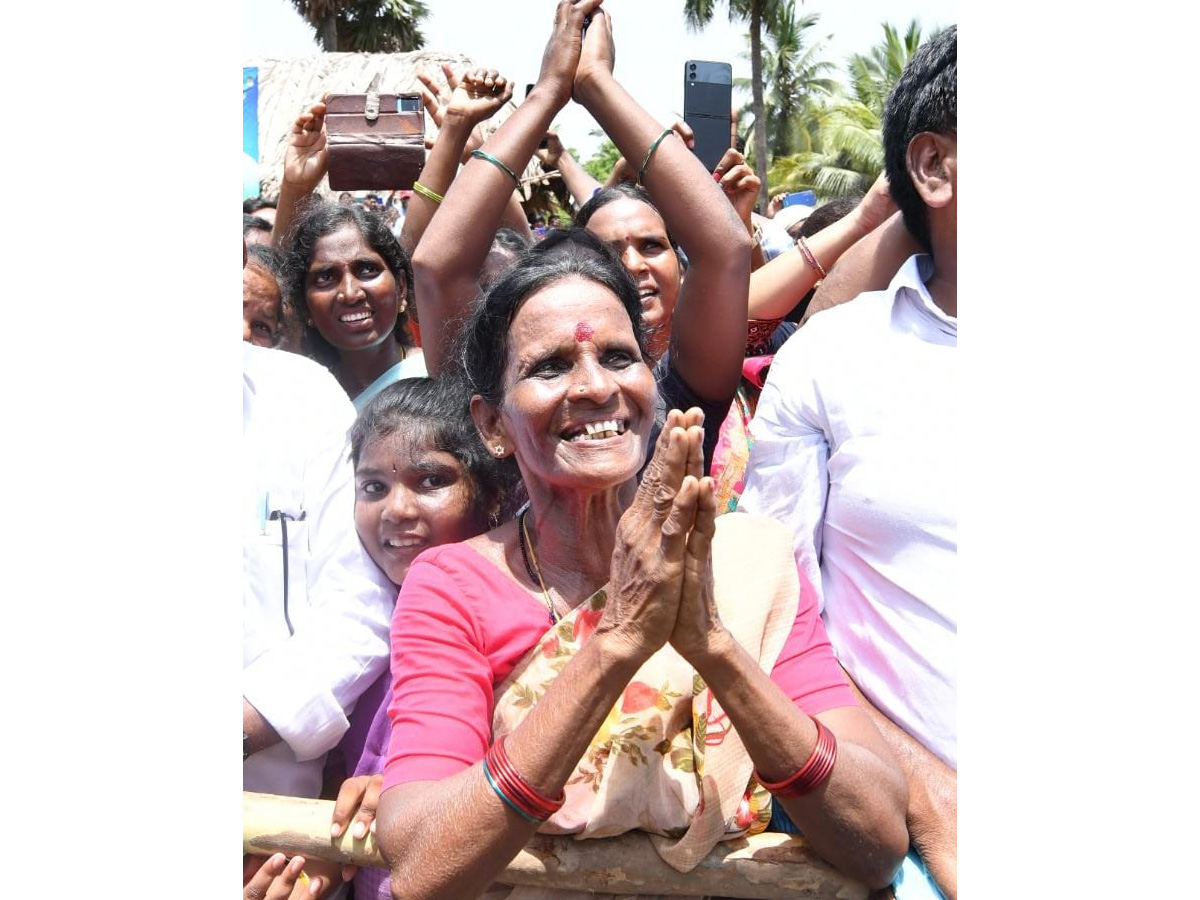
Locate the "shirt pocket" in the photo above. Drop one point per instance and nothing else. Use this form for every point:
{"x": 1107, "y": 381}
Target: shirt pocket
{"x": 278, "y": 603}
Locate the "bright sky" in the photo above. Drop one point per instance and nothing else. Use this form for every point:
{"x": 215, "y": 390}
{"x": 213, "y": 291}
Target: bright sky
{"x": 652, "y": 41}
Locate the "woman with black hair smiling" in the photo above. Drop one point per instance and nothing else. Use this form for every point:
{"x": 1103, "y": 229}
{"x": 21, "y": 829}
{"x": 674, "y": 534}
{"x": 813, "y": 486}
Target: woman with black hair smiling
{"x": 586, "y": 644}
{"x": 698, "y": 324}
{"x": 351, "y": 282}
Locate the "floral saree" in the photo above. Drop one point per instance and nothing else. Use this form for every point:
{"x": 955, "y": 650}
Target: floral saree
{"x": 666, "y": 760}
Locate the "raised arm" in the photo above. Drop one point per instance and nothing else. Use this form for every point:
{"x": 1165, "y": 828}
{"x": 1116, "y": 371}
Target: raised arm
{"x": 708, "y": 330}
{"x": 779, "y": 285}
{"x": 304, "y": 165}
{"x": 474, "y": 98}
{"x": 741, "y": 185}
{"x": 579, "y": 183}
{"x": 869, "y": 265}
{"x": 447, "y": 261}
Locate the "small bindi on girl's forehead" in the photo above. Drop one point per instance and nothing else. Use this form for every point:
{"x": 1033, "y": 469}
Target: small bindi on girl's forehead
{"x": 584, "y": 332}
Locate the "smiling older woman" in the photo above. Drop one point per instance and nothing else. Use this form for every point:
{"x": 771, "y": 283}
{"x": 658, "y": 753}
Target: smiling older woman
{"x": 588, "y": 644}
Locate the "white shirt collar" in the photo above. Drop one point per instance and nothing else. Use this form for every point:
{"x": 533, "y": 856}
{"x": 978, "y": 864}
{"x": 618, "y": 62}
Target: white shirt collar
{"x": 909, "y": 284}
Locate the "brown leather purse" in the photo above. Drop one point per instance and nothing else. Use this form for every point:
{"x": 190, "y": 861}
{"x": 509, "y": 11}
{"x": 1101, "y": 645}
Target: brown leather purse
{"x": 376, "y": 141}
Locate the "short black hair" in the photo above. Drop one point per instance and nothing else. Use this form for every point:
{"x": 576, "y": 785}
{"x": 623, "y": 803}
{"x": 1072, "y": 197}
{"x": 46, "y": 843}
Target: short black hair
{"x": 254, "y": 223}
{"x": 924, "y": 98}
{"x": 510, "y": 239}
{"x": 826, "y": 214}
{"x": 252, "y": 205}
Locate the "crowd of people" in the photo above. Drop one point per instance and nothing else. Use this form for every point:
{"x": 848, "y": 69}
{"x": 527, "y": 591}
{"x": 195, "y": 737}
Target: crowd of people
{"x": 644, "y": 521}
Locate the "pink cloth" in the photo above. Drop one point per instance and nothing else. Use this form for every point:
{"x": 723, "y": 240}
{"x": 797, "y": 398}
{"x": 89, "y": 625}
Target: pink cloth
{"x": 461, "y": 626}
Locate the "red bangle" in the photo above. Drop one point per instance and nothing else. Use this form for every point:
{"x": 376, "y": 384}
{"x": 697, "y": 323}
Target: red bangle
{"x": 808, "y": 256}
{"x": 517, "y": 789}
{"x": 813, "y": 773}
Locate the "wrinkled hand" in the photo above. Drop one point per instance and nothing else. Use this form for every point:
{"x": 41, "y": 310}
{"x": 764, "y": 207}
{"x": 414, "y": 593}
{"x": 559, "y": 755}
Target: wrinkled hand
{"x": 561, "y": 56}
{"x": 877, "y": 206}
{"x": 739, "y": 183}
{"x": 278, "y": 878}
{"x": 307, "y": 156}
{"x": 651, "y": 541}
{"x": 599, "y": 53}
{"x": 358, "y": 797}
{"x": 698, "y": 622}
{"x": 553, "y": 152}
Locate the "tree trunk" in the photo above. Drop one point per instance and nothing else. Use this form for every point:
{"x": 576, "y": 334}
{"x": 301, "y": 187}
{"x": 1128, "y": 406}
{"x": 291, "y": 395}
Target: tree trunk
{"x": 765, "y": 866}
{"x": 329, "y": 33}
{"x": 756, "y": 88}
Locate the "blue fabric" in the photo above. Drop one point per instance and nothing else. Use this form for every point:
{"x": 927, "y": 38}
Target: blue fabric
{"x": 912, "y": 881}
{"x": 412, "y": 367}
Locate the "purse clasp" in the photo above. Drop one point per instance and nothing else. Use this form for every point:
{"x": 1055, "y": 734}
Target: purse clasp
{"x": 372, "y": 105}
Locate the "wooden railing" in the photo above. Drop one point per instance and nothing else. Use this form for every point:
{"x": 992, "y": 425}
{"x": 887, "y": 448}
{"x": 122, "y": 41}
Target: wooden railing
{"x": 765, "y": 866}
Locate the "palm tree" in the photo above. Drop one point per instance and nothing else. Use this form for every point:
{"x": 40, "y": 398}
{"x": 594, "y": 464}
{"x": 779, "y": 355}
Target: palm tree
{"x": 847, "y": 158}
{"x": 848, "y": 152}
{"x": 873, "y": 74}
{"x": 797, "y": 76}
{"x": 760, "y": 13}
{"x": 365, "y": 26}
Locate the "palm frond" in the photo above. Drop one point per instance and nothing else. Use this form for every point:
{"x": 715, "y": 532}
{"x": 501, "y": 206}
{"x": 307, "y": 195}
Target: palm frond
{"x": 698, "y": 13}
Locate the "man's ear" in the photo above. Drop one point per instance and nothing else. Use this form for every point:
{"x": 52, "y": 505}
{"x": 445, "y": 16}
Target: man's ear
{"x": 932, "y": 159}
{"x": 490, "y": 428}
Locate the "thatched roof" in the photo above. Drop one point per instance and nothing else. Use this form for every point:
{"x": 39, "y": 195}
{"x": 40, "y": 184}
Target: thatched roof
{"x": 286, "y": 87}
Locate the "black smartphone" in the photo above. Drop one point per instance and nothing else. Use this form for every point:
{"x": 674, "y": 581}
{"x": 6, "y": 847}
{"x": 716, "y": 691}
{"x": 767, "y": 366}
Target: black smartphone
{"x": 707, "y": 108}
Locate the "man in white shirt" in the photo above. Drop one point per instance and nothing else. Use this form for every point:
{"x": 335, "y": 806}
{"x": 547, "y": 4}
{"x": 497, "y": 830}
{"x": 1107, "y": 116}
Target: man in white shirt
{"x": 855, "y": 447}
{"x": 315, "y": 634}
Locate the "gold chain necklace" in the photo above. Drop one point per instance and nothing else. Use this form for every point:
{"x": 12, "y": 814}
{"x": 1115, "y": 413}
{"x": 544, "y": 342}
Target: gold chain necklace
{"x": 534, "y": 571}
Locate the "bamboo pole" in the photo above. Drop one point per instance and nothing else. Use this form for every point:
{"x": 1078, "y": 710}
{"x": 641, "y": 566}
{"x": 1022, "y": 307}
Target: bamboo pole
{"x": 765, "y": 866}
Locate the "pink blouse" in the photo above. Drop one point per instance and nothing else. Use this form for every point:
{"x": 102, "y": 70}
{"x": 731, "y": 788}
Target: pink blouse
{"x": 461, "y": 626}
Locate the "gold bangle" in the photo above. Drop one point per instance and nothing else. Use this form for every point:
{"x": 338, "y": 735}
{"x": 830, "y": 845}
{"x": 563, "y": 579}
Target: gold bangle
{"x": 649, "y": 153}
{"x": 425, "y": 192}
{"x": 479, "y": 154}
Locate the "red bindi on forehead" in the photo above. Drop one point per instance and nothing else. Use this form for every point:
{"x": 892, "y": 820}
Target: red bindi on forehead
{"x": 584, "y": 332}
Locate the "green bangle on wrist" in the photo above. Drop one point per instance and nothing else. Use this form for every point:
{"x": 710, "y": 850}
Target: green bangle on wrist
{"x": 480, "y": 154}
{"x": 649, "y": 153}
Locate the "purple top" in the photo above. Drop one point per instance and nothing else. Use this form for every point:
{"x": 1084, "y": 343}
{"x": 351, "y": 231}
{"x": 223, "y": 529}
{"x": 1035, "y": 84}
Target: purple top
{"x": 364, "y": 747}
